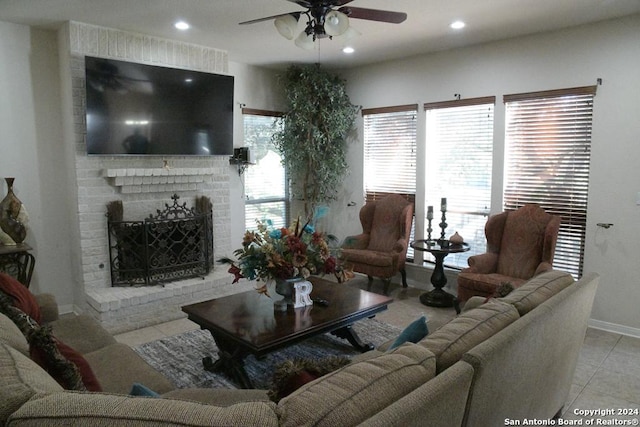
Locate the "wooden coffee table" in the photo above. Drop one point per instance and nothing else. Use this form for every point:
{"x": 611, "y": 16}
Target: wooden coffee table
{"x": 246, "y": 323}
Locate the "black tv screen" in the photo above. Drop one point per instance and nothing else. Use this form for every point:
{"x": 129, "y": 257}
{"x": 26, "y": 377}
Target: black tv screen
{"x": 138, "y": 109}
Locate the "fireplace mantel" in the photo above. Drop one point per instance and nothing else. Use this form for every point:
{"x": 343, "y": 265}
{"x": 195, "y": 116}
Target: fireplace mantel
{"x": 155, "y": 180}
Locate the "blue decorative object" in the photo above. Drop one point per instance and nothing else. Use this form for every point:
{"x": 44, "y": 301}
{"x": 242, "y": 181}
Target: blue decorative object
{"x": 141, "y": 390}
{"x": 413, "y": 333}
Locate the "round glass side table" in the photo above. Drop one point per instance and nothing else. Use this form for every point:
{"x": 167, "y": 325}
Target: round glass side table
{"x": 439, "y": 249}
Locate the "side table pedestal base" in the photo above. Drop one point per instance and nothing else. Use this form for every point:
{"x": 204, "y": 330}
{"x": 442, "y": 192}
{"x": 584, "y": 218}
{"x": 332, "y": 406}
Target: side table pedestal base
{"x": 440, "y": 298}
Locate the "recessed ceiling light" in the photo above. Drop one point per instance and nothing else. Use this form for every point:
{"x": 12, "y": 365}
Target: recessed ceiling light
{"x": 348, "y": 49}
{"x": 457, "y": 25}
{"x": 182, "y": 25}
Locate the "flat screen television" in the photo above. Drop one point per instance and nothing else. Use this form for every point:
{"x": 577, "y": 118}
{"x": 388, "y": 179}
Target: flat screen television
{"x": 138, "y": 109}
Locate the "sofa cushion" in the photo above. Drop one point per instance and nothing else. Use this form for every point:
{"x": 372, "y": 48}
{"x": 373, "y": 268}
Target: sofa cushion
{"x": 110, "y": 410}
{"x": 474, "y": 302}
{"x": 11, "y": 335}
{"x": 293, "y": 374}
{"x": 48, "y": 307}
{"x": 21, "y": 379}
{"x": 218, "y": 396}
{"x": 117, "y": 367}
{"x": 354, "y": 393}
{"x": 537, "y": 290}
{"x": 466, "y": 331}
{"x": 82, "y": 332}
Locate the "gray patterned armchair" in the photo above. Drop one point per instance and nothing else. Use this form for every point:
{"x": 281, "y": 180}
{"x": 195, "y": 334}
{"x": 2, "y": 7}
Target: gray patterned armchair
{"x": 381, "y": 249}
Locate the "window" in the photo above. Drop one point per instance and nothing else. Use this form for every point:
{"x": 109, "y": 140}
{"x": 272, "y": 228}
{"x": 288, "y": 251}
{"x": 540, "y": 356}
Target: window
{"x": 459, "y": 152}
{"x": 390, "y": 153}
{"x": 266, "y": 185}
{"x": 548, "y": 149}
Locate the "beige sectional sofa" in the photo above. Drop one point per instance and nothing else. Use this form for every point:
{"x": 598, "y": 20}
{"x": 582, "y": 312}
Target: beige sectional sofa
{"x": 509, "y": 358}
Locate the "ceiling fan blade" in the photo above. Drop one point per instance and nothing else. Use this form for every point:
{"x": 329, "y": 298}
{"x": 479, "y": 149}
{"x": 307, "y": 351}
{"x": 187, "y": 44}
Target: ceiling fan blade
{"x": 253, "y": 21}
{"x": 340, "y": 2}
{"x": 374, "y": 14}
{"x": 315, "y": 3}
{"x": 303, "y": 3}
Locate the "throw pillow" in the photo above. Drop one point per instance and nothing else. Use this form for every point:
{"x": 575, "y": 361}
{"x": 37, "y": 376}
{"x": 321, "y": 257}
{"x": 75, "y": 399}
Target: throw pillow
{"x": 20, "y": 295}
{"x": 413, "y": 333}
{"x": 141, "y": 390}
{"x": 63, "y": 363}
{"x": 293, "y": 374}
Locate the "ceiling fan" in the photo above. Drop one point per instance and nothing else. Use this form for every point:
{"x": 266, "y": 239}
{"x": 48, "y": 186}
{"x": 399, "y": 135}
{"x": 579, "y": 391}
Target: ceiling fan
{"x": 326, "y": 18}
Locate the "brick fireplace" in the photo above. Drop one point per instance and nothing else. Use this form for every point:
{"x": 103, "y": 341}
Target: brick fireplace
{"x": 143, "y": 184}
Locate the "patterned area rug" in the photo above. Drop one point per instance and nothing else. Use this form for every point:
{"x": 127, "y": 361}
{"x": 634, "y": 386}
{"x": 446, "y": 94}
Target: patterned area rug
{"x": 179, "y": 357}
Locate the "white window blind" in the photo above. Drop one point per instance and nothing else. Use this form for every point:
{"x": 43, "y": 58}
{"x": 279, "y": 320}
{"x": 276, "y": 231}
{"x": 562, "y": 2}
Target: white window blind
{"x": 548, "y": 150}
{"x": 390, "y": 153}
{"x": 459, "y": 147}
{"x": 266, "y": 190}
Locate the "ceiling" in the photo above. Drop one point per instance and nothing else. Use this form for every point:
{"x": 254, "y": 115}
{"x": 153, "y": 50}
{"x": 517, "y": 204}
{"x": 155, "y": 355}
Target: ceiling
{"x": 214, "y": 23}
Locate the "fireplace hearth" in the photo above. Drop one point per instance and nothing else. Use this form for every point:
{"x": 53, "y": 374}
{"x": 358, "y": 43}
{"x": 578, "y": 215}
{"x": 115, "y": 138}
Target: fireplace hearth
{"x": 176, "y": 243}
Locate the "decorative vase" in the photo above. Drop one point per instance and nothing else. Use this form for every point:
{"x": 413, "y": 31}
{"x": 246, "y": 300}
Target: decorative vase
{"x": 284, "y": 287}
{"x": 456, "y": 239}
{"x": 10, "y": 209}
{"x": 295, "y": 293}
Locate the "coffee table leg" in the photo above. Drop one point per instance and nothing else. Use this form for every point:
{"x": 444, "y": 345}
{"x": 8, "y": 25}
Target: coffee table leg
{"x": 347, "y": 332}
{"x": 230, "y": 362}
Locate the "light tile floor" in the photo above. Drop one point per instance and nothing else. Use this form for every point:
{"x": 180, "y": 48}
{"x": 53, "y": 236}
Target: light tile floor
{"x": 607, "y": 375}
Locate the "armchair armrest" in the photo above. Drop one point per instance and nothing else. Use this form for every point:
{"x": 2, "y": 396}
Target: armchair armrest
{"x": 483, "y": 263}
{"x": 48, "y": 307}
{"x": 400, "y": 246}
{"x": 359, "y": 241}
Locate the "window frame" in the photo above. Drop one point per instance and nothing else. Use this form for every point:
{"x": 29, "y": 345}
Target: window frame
{"x": 286, "y": 198}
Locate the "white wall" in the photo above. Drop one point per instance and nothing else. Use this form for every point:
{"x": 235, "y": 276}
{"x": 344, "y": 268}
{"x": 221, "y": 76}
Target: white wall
{"x": 31, "y": 151}
{"x": 576, "y": 57}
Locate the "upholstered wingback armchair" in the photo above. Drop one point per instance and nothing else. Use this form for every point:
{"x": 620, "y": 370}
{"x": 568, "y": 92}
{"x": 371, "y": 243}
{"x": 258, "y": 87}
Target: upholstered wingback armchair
{"x": 520, "y": 244}
{"x": 381, "y": 249}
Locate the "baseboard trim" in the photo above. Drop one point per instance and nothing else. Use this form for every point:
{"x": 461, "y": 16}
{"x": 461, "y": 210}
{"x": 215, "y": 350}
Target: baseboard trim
{"x": 614, "y": 327}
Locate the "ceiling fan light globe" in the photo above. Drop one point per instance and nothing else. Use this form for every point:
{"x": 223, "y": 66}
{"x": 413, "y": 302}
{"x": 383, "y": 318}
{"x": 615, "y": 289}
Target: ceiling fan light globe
{"x": 335, "y": 23}
{"x": 286, "y": 26}
{"x": 304, "y": 41}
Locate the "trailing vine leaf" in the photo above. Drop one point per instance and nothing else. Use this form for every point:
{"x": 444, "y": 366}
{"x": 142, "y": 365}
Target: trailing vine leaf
{"x": 313, "y": 137}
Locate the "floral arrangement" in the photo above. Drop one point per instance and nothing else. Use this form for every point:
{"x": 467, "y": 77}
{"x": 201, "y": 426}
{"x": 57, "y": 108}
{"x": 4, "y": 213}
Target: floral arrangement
{"x": 283, "y": 253}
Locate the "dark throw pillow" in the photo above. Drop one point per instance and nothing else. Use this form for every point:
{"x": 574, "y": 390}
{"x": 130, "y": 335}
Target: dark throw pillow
{"x": 416, "y": 331}
{"x": 63, "y": 363}
{"x": 293, "y": 374}
{"x": 20, "y": 296}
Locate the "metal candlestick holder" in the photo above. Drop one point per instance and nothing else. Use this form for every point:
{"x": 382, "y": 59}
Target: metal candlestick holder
{"x": 443, "y": 226}
{"x": 429, "y": 230}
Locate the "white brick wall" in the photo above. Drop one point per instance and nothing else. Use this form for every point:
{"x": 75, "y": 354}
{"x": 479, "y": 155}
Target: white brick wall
{"x": 143, "y": 184}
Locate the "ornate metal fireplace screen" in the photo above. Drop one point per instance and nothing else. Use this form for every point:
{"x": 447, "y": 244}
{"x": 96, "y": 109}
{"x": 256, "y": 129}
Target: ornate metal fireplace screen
{"x": 176, "y": 243}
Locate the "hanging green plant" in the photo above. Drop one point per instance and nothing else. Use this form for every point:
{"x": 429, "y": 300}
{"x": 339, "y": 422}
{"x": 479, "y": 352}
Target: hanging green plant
{"x": 313, "y": 135}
